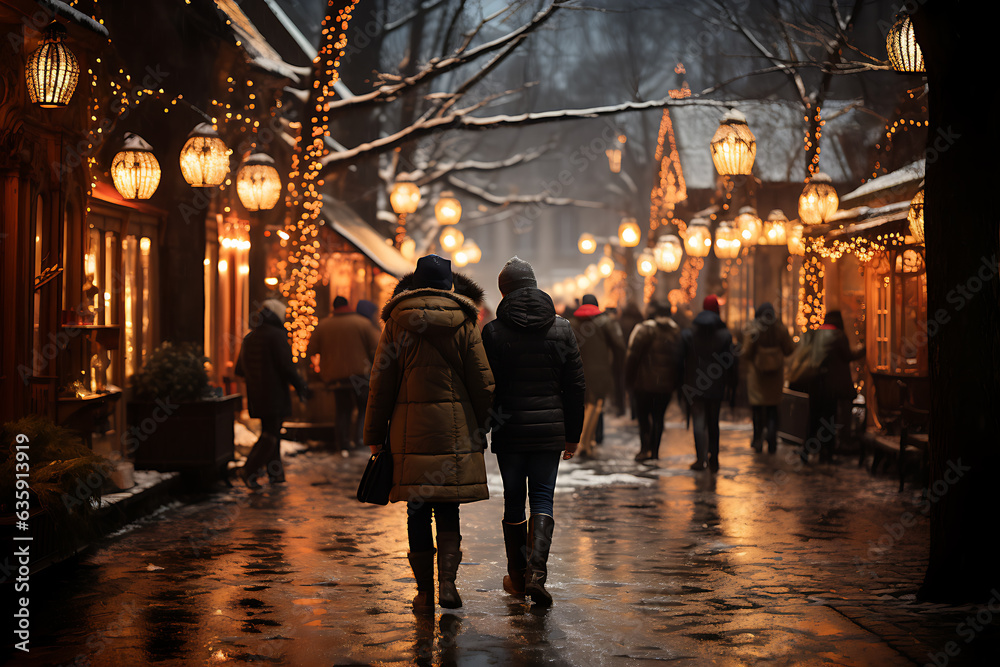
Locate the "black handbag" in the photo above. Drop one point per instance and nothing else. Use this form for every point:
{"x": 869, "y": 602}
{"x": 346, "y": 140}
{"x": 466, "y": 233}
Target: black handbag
{"x": 376, "y": 482}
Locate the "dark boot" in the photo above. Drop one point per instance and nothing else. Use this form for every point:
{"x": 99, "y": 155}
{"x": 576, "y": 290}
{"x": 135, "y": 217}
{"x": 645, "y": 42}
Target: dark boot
{"x": 449, "y": 556}
{"x": 515, "y": 541}
{"x": 539, "y": 541}
{"x": 422, "y": 564}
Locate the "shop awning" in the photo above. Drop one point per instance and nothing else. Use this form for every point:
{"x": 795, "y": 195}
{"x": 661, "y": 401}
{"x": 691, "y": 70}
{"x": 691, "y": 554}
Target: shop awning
{"x": 873, "y": 221}
{"x": 358, "y": 233}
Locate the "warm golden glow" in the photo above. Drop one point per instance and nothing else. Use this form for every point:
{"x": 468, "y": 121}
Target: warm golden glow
{"x": 472, "y": 251}
{"x": 582, "y": 283}
{"x": 774, "y": 228}
{"x": 698, "y": 240}
{"x": 795, "y": 238}
{"x": 204, "y": 158}
{"x": 593, "y": 273}
{"x": 52, "y": 70}
{"x": 451, "y": 239}
{"x": 408, "y": 248}
{"x": 587, "y": 243}
{"x": 135, "y": 170}
{"x": 646, "y": 264}
{"x": 258, "y": 184}
{"x": 460, "y": 257}
{"x": 668, "y": 253}
{"x": 614, "y": 159}
{"x": 901, "y": 44}
{"x": 405, "y": 197}
{"x": 727, "y": 241}
{"x": 818, "y": 201}
{"x": 916, "y": 216}
{"x": 606, "y": 266}
{"x": 749, "y": 226}
{"x": 448, "y": 210}
{"x": 629, "y": 233}
{"x": 734, "y": 147}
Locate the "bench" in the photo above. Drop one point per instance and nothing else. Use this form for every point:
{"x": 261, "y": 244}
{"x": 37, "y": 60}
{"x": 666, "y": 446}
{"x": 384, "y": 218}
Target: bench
{"x": 904, "y": 421}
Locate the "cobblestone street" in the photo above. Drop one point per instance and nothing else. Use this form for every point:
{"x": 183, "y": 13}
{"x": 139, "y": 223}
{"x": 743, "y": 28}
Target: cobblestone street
{"x": 764, "y": 562}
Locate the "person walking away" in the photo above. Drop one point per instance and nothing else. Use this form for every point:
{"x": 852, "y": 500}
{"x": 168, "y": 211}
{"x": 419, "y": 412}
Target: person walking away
{"x": 431, "y": 393}
{"x": 369, "y": 311}
{"x": 598, "y": 338}
{"x": 766, "y": 343}
{"x": 345, "y": 342}
{"x": 709, "y": 378}
{"x": 631, "y": 317}
{"x": 832, "y": 384}
{"x": 538, "y": 408}
{"x": 265, "y": 362}
{"x": 652, "y": 371}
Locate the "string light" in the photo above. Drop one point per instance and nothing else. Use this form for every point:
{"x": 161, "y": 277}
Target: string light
{"x": 670, "y": 188}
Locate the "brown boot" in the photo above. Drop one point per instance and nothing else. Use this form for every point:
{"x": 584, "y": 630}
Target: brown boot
{"x": 449, "y": 556}
{"x": 540, "y": 529}
{"x": 515, "y": 539}
{"x": 422, "y": 564}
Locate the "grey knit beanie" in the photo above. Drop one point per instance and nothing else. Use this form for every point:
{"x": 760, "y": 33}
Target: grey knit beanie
{"x": 515, "y": 274}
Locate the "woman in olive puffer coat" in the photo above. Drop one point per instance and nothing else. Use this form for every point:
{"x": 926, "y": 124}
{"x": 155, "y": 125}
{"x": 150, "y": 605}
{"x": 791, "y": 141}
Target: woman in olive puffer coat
{"x": 431, "y": 392}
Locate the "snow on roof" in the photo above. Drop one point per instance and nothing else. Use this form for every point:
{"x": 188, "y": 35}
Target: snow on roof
{"x": 62, "y": 9}
{"x": 910, "y": 174}
{"x": 360, "y": 234}
{"x": 780, "y": 130}
{"x": 259, "y": 51}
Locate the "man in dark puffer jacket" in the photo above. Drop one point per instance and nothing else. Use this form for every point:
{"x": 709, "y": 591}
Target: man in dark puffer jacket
{"x": 538, "y": 413}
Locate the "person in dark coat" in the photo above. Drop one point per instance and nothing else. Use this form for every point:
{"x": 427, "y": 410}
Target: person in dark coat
{"x": 766, "y": 343}
{"x": 832, "y": 384}
{"x": 652, "y": 373}
{"x": 431, "y": 394}
{"x": 630, "y": 317}
{"x": 538, "y": 415}
{"x": 709, "y": 378}
{"x": 265, "y": 361}
{"x": 599, "y": 338}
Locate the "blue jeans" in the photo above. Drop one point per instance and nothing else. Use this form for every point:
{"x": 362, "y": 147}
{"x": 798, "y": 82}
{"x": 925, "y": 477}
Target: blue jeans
{"x": 531, "y": 474}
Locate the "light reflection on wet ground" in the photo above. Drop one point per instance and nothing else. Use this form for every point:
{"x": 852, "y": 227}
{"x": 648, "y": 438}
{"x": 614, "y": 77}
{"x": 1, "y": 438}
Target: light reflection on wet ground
{"x": 762, "y": 562}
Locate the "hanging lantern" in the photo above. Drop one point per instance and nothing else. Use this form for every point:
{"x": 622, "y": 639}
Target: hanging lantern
{"x": 257, "y": 183}
{"x": 587, "y": 243}
{"x": 405, "y": 197}
{"x": 795, "y": 238}
{"x": 774, "y": 228}
{"x": 204, "y": 158}
{"x": 629, "y": 233}
{"x": 901, "y": 44}
{"x": 592, "y": 272}
{"x": 472, "y": 251}
{"x": 408, "y": 248}
{"x": 134, "y": 169}
{"x": 698, "y": 241}
{"x": 727, "y": 241}
{"x": 916, "y": 215}
{"x": 668, "y": 253}
{"x": 734, "y": 147}
{"x": 460, "y": 257}
{"x": 818, "y": 201}
{"x": 582, "y": 283}
{"x": 646, "y": 264}
{"x": 749, "y": 226}
{"x": 52, "y": 70}
{"x": 558, "y": 290}
{"x": 606, "y": 266}
{"x": 448, "y": 210}
{"x": 451, "y": 239}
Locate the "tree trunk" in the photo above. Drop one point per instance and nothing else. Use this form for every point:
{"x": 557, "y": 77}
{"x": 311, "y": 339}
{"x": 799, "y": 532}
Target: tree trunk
{"x": 963, "y": 294}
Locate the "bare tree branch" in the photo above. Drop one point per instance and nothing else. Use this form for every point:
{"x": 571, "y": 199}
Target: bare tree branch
{"x": 503, "y": 200}
{"x": 442, "y": 170}
{"x": 403, "y": 20}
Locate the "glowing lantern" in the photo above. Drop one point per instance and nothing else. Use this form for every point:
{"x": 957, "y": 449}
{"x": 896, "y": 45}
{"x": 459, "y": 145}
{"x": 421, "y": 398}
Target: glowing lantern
{"x": 646, "y": 264}
{"x": 408, "y": 248}
{"x": 629, "y": 233}
{"x": 795, "y": 238}
{"x": 818, "y": 201}
{"x": 774, "y": 228}
{"x": 472, "y": 251}
{"x": 734, "y": 147}
{"x": 52, "y": 70}
{"x": 901, "y": 44}
{"x": 592, "y": 272}
{"x": 460, "y": 257}
{"x": 134, "y": 169}
{"x": 204, "y": 158}
{"x": 668, "y": 253}
{"x": 448, "y": 210}
{"x": 606, "y": 266}
{"x": 727, "y": 241}
{"x": 404, "y": 198}
{"x": 698, "y": 241}
{"x": 558, "y": 289}
{"x": 451, "y": 239}
{"x": 587, "y": 243}
{"x": 749, "y": 226}
{"x": 582, "y": 283}
{"x": 916, "y": 215}
{"x": 257, "y": 183}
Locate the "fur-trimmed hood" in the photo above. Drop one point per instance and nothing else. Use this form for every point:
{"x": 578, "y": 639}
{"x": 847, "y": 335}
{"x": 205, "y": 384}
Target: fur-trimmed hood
{"x": 470, "y": 294}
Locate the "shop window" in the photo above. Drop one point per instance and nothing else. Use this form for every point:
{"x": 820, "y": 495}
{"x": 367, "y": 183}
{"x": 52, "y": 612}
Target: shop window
{"x": 896, "y": 285}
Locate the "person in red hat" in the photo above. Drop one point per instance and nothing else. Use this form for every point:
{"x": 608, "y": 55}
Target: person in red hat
{"x": 709, "y": 378}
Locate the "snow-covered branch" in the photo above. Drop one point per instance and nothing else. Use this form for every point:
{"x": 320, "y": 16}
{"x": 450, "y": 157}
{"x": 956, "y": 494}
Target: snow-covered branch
{"x": 440, "y": 171}
{"x": 506, "y": 200}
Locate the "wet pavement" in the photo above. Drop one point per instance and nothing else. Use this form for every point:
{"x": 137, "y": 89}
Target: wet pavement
{"x": 764, "y": 562}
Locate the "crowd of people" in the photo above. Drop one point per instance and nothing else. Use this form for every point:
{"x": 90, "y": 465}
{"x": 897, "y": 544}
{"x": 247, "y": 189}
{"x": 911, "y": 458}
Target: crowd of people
{"x": 429, "y": 385}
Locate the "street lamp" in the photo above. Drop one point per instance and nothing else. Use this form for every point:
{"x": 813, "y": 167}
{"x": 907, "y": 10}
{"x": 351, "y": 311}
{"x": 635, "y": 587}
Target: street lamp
{"x": 52, "y": 70}
{"x": 646, "y": 264}
{"x": 698, "y": 241}
{"x": 451, "y": 239}
{"x": 774, "y": 228}
{"x": 734, "y": 147}
{"x": 134, "y": 169}
{"x": 404, "y": 198}
{"x": 587, "y": 243}
{"x": 204, "y": 158}
{"x": 916, "y": 215}
{"x": 668, "y": 253}
{"x": 795, "y": 238}
{"x": 901, "y": 44}
{"x": 749, "y": 226}
{"x": 258, "y": 184}
{"x": 629, "y": 233}
{"x": 818, "y": 201}
{"x": 448, "y": 210}
{"x": 727, "y": 241}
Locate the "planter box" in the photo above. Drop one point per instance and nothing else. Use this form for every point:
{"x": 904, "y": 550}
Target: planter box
{"x": 191, "y": 437}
